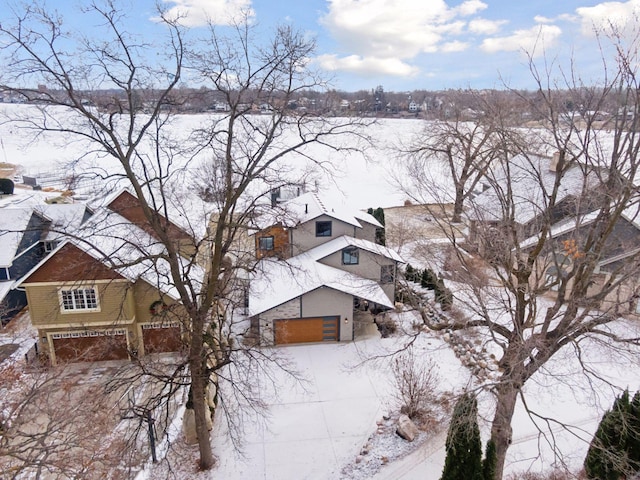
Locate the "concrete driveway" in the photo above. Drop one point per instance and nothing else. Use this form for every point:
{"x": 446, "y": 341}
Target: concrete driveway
{"x": 313, "y": 430}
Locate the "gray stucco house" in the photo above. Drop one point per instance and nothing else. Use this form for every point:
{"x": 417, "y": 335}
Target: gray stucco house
{"x": 319, "y": 263}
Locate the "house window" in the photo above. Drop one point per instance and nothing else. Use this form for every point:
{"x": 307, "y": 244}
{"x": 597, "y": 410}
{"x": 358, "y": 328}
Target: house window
{"x": 79, "y": 299}
{"x": 387, "y": 273}
{"x": 323, "y": 229}
{"x": 265, "y": 243}
{"x": 50, "y": 246}
{"x": 350, "y": 256}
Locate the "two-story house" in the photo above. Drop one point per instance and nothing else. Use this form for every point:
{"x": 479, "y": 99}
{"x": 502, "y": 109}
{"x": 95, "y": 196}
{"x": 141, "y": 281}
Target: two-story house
{"x": 318, "y": 263}
{"x": 106, "y": 292}
{"x": 567, "y": 219}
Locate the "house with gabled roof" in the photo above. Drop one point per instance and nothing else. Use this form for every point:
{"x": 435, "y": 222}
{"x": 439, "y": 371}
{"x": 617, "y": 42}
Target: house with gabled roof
{"x": 307, "y": 221}
{"x": 618, "y": 258}
{"x": 319, "y": 263}
{"x": 106, "y": 293}
{"x": 532, "y": 178}
{"x": 569, "y": 218}
{"x": 27, "y": 234}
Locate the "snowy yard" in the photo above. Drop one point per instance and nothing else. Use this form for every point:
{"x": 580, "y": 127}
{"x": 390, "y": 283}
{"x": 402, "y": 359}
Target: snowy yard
{"x": 317, "y": 428}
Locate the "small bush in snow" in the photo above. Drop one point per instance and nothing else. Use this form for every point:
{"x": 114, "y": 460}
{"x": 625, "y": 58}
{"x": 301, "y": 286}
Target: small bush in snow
{"x": 415, "y": 382}
{"x": 386, "y": 326}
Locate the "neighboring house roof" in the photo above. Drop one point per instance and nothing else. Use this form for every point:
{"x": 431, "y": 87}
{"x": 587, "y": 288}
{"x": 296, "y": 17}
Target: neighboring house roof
{"x": 337, "y": 244}
{"x": 5, "y": 287}
{"x": 563, "y": 227}
{"x": 187, "y": 212}
{"x": 630, "y": 214}
{"x": 64, "y": 217}
{"x": 276, "y": 282}
{"x": 531, "y": 180}
{"x": 13, "y": 223}
{"x": 310, "y": 206}
{"x": 127, "y": 249}
{"x": 26, "y": 198}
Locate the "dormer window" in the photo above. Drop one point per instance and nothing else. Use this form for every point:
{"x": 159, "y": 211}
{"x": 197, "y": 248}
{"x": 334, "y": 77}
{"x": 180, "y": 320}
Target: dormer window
{"x": 323, "y": 229}
{"x": 350, "y": 256}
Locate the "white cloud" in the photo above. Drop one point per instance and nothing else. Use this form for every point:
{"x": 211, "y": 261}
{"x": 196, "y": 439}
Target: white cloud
{"x": 367, "y": 66}
{"x": 471, "y": 7}
{"x": 623, "y": 16}
{"x": 195, "y": 13}
{"x": 533, "y": 41}
{"x": 397, "y": 28}
{"x": 483, "y": 26}
{"x": 455, "y": 46}
{"x": 541, "y": 19}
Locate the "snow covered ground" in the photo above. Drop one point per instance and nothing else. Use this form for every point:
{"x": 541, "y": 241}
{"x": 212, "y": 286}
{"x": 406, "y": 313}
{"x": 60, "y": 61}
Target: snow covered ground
{"x": 315, "y": 431}
{"x": 363, "y": 180}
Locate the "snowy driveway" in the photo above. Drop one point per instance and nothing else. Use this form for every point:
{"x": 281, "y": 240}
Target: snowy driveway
{"x": 312, "y": 431}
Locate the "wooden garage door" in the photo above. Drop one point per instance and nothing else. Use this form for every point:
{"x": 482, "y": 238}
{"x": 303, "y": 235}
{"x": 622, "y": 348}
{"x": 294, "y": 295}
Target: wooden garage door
{"x": 161, "y": 337}
{"x": 90, "y": 346}
{"x": 303, "y": 330}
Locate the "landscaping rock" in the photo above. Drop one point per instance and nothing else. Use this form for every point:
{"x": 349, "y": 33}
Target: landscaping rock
{"x": 406, "y": 428}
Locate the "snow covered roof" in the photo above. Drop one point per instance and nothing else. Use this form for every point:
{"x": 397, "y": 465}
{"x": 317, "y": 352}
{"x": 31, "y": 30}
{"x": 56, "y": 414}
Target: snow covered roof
{"x": 337, "y": 244}
{"x": 185, "y": 209}
{"x": 23, "y": 198}
{"x": 13, "y": 223}
{"x": 309, "y": 206}
{"x": 64, "y": 217}
{"x": 277, "y": 282}
{"x": 5, "y": 287}
{"x": 631, "y": 214}
{"x": 563, "y": 227}
{"x": 126, "y": 248}
{"x": 531, "y": 180}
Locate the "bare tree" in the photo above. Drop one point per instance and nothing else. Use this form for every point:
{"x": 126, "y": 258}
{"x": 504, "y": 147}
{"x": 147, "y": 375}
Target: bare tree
{"x": 463, "y": 144}
{"x": 556, "y": 234}
{"x": 104, "y": 92}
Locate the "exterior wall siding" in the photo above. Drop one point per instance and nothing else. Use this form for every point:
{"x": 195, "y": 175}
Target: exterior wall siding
{"x": 367, "y": 232}
{"x": 369, "y": 266}
{"x": 115, "y": 304}
{"x": 281, "y": 246}
{"x": 304, "y": 238}
{"x": 327, "y": 302}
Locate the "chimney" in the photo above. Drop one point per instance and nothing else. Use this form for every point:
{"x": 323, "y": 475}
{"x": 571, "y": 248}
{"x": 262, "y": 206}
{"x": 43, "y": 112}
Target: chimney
{"x": 306, "y": 208}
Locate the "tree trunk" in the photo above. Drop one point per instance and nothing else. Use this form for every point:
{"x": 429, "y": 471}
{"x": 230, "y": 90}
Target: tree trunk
{"x": 458, "y": 204}
{"x": 198, "y": 391}
{"x": 506, "y": 396}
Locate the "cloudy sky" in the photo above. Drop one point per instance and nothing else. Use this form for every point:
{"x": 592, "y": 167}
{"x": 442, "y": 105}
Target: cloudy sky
{"x": 428, "y": 44}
